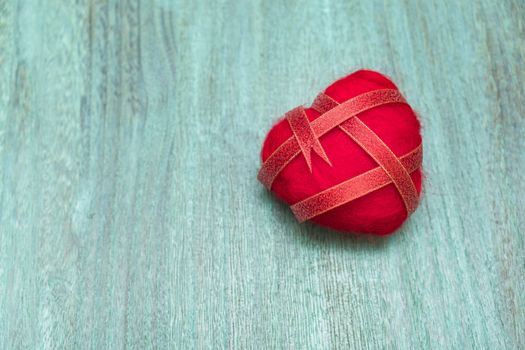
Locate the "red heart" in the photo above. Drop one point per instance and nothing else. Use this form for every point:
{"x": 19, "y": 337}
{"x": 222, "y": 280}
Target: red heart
{"x": 379, "y": 212}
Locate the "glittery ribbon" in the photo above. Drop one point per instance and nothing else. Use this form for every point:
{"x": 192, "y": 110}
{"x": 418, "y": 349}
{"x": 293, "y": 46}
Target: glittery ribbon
{"x": 377, "y": 149}
{"x": 289, "y": 149}
{"x": 305, "y": 136}
{"x": 390, "y": 169}
{"x": 351, "y": 189}
{"x": 323, "y": 103}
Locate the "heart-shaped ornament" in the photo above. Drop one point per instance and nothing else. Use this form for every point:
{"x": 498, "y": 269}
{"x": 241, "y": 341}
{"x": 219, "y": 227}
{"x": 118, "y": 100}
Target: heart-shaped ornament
{"x": 351, "y": 161}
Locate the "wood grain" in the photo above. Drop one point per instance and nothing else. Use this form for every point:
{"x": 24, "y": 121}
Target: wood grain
{"x": 130, "y": 216}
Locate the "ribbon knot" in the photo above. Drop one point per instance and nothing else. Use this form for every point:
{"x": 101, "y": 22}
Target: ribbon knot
{"x": 305, "y": 135}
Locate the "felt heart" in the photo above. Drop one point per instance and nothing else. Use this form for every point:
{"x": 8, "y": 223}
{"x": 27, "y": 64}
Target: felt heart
{"x": 352, "y": 161}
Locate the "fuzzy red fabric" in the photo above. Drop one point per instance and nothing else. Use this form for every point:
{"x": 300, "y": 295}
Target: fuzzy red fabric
{"x": 380, "y": 212}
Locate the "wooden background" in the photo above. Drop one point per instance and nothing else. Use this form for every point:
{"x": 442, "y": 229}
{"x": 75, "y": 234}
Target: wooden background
{"x": 130, "y": 216}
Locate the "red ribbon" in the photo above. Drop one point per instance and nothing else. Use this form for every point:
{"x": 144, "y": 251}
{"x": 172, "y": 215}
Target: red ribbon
{"x": 306, "y": 134}
{"x": 378, "y": 150}
{"x": 351, "y": 189}
{"x": 289, "y": 149}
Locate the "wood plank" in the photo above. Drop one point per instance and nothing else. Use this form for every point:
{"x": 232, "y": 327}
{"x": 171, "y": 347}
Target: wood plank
{"x": 130, "y": 215}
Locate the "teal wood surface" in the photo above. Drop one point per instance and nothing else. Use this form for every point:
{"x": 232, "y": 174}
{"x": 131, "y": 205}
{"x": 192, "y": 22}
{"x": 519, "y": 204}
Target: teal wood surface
{"x": 130, "y": 214}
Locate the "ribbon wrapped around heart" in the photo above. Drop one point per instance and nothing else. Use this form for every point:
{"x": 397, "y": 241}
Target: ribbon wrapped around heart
{"x": 349, "y": 116}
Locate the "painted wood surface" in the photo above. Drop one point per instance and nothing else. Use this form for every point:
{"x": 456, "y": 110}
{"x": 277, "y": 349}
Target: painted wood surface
{"x": 130, "y": 216}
